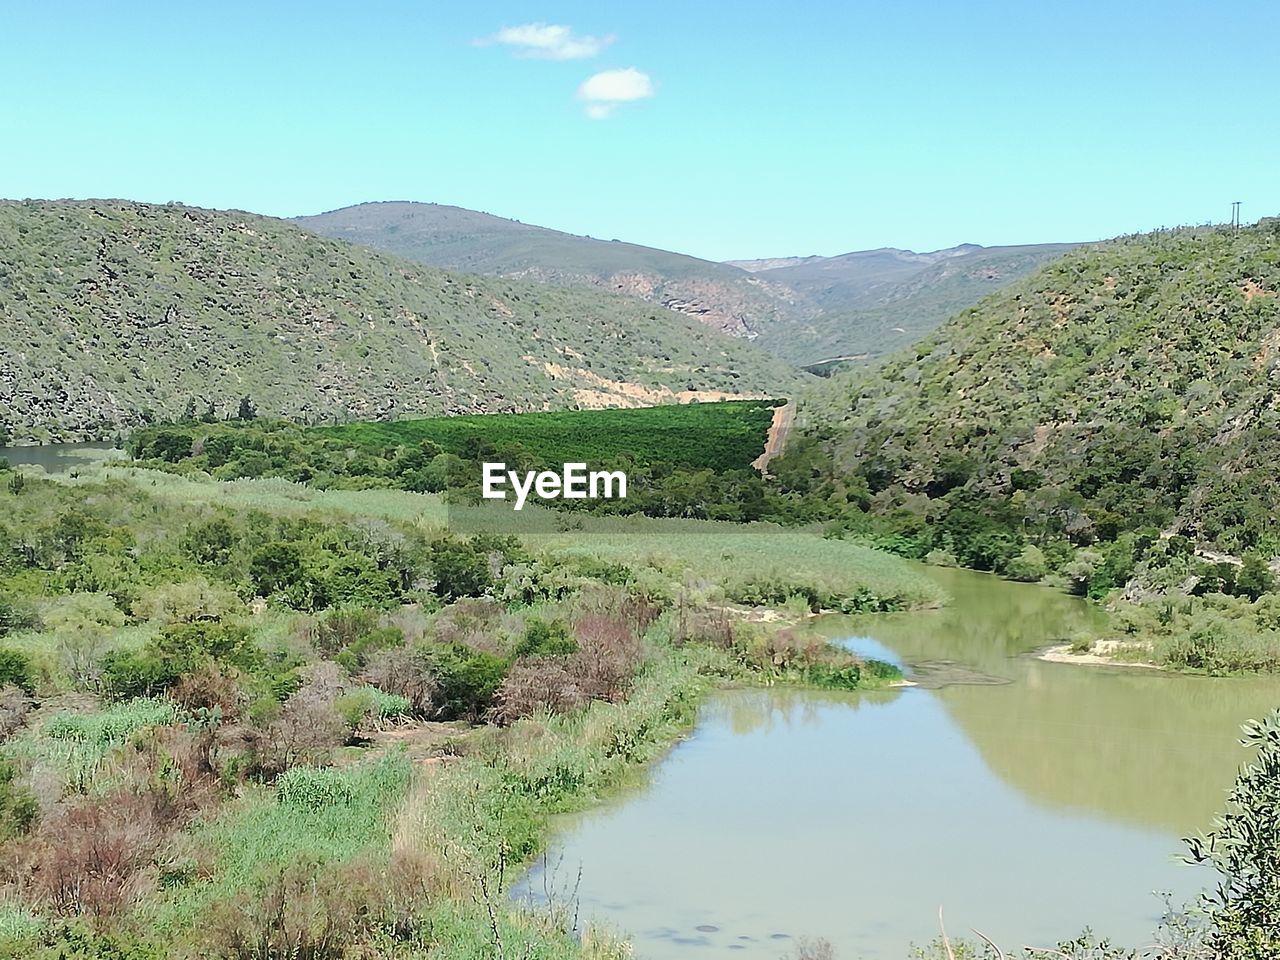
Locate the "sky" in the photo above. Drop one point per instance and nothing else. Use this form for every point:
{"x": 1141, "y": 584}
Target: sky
{"x": 724, "y": 130}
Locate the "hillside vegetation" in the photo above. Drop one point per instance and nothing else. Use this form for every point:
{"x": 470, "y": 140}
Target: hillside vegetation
{"x": 803, "y": 309}
{"x": 879, "y": 315}
{"x": 454, "y": 238}
{"x": 866, "y": 304}
{"x": 1112, "y": 420}
{"x": 116, "y": 313}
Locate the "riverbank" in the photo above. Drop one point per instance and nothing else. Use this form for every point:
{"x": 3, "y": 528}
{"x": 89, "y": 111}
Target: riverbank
{"x": 1102, "y": 653}
{"x": 235, "y": 649}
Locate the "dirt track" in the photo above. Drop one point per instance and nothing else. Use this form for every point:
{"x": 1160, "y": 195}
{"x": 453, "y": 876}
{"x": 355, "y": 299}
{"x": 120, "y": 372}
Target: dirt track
{"x": 783, "y": 417}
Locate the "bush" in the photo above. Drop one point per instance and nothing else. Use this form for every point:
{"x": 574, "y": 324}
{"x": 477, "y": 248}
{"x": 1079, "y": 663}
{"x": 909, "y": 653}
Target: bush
{"x": 407, "y": 674}
{"x": 1244, "y": 847}
{"x": 466, "y": 680}
{"x": 542, "y": 639}
{"x": 460, "y": 569}
{"x": 536, "y": 685}
{"x": 15, "y": 670}
{"x": 127, "y": 674}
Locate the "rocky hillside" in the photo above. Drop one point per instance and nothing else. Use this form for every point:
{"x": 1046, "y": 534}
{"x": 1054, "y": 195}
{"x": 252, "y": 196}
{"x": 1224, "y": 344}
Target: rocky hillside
{"x": 113, "y": 313}
{"x": 872, "y": 302}
{"x": 717, "y": 294}
{"x": 1130, "y": 386}
{"x": 802, "y": 309}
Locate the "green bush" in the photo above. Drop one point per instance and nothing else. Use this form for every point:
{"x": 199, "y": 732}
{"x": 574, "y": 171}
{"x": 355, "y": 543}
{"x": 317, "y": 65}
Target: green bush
{"x": 542, "y": 639}
{"x": 15, "y": 670}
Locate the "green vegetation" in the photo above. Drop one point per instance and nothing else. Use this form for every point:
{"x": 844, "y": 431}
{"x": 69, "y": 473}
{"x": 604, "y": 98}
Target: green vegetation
{"x": 800, "y": 309}
{"x": 680, "y": 461}
{"x": 207, "y": 685}
{"x": 471, "y": 242}
{"x": 705, "y": 436}
{"x": 868, "y": 304}
{"x": 1104, "y": 423}
{"x": 104, "y": 301}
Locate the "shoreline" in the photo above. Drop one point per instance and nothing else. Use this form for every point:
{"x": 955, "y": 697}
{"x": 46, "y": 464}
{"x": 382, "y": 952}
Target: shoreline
{"x": 1062, "y": 653}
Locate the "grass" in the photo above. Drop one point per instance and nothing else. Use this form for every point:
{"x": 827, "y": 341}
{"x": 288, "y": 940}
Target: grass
{"x": 267, "y": 830}
{"x": 76, "y": 745}
{"x": 756, "y": 562}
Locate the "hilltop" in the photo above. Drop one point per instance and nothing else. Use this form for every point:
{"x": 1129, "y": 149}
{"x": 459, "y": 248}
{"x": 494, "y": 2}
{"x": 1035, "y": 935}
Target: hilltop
{"x": 802, "y": 309}
{"x": 720, "y": 295}
{"x": 872, "y": 302}
{"x": 1125, "y": 394}
{"x": 115, "y": 313}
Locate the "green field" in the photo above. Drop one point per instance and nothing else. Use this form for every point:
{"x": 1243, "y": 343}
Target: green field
{"x": 710, "y": 436}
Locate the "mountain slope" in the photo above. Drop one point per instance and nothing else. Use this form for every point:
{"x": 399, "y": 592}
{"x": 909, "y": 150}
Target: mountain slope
{"x": 113, "y": 312}
{"x": 876, "y": 301}
{"x": 1130, "y": 386}
{"x": 453, "y": 238}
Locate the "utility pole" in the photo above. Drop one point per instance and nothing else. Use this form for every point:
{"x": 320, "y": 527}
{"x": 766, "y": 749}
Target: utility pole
{"x": 1235, "y": 215}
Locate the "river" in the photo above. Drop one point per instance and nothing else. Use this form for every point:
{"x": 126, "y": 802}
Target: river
{"x": 58, "y": 457}
{"x": 1027, "y": 799}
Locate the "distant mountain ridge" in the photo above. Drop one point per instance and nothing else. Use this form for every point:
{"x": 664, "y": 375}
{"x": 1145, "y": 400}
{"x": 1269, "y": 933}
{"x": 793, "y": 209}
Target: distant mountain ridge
{"x": 802, "y": 309}
{"x": 454, "y": 238}
{"x": 113, "y": 313}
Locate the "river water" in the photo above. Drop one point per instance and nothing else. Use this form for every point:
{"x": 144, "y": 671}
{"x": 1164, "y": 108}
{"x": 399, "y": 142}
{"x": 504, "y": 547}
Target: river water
{"x": 58, "y": 457}
{"x": 1026, "y": 799}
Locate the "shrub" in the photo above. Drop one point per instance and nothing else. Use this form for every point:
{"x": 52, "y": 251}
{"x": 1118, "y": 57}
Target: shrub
{"x": 187, "y": 602}
{"x": 18, "y": 807}
{"x": 127, "y": 674}
{"x": 405, "y": 673}
{"x": 370, "y": 704}
{"x": 466, "y": 680}
{"x": 1244, "y": 847}
{"x": 15, "y": 704}
{"x": 542, "y": 639}
{"x": 309, "y": 725}
{"x": 460, "y": 569}
{"x": 15, "y": 615}
{"x": 15, "y": 670}
{"x": 536, "y": 685}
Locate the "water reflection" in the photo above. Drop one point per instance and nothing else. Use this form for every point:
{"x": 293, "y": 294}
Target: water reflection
{"x": 59, "y": 457}
{"x": 1028, "y": 808}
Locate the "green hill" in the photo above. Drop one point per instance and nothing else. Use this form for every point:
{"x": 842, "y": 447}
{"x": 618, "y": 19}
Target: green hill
{"x": 114, "y": 313}
{"x": 876, "y": 301}
{"x": 858, "y": 305}
{"x": 453, "y": 238}
{"x": 1125, "y": 394}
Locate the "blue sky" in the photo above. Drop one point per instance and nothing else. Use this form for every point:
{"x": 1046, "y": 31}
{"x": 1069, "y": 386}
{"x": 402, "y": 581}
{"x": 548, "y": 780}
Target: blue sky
{"x": 756, "y": 129}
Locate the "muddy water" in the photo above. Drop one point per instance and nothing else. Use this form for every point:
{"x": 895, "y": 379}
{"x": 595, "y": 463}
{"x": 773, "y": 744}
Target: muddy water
{"x": 59, "y": 457}
{"x": 1027, "y": 799}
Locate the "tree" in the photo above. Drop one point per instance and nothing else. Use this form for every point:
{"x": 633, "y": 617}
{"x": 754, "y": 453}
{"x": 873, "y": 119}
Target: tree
{"x": 1244, "y": 847}
{"x": 1255, "y": 577}
{"x": 246, "y": 410}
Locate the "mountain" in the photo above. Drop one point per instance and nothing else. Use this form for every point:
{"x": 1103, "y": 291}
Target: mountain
{"x": 1127, "y": 387}
{"x": 453, "y": 238}
{"x": 803, "y": 309}
{"x": 114, "y": 312}
{"x": 872, "y": 302}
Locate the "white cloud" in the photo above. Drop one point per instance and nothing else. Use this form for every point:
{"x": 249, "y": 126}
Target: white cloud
{"x": 605, "y": 90}
{"x": 547, "y": 41}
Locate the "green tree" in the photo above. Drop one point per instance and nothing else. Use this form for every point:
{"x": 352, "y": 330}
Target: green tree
{"x": 1255, "y": 577}
{"x": 1244, "y": 847}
